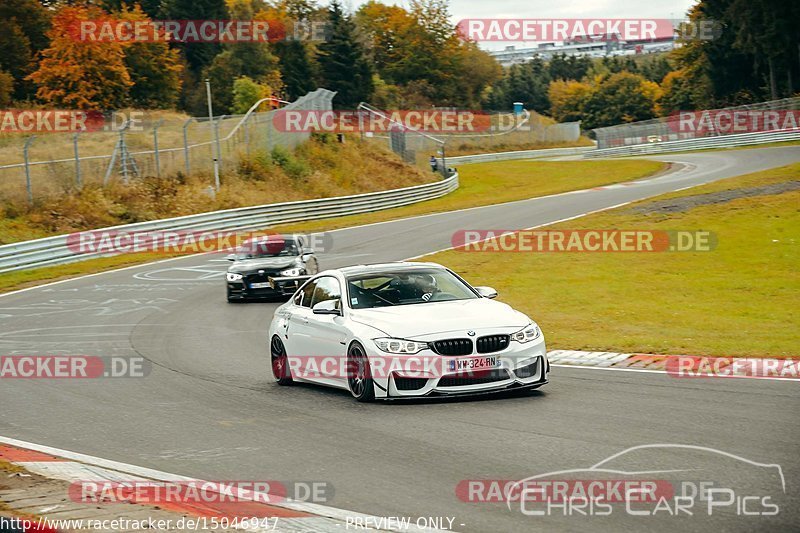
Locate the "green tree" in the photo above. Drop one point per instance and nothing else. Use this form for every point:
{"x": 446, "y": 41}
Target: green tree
{"x": 154, "y": 68}
{"x": 152, "y": 8}
{"x": 25, "y": 23}
{"x": 198, "y": 55}
{"x": 246, "y": 93}
{"x": 757, "y": 49}
{"x": 252, "y": 59}
{"x": 297, "y": 69}
{"x": 563, "y": 67}
{"x": 343, "y": 65}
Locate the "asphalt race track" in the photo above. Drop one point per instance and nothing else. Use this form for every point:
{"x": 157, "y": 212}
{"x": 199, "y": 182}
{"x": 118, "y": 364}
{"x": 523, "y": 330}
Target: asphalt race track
{"x": 209, "y": 408}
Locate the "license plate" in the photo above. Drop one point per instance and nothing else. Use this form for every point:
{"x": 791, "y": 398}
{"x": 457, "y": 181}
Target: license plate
{"x": 261, "y": 285}
{"x": 473, "y": 363}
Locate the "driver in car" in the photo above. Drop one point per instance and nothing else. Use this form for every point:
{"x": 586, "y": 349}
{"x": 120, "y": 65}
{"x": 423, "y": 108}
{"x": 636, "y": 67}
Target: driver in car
{"x": 417, "y": 287}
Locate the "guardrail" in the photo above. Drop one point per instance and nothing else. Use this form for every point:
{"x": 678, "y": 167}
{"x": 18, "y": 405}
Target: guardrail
{"x": 522, "y": 154}
{"x": 722, "y": 141}
{"x": 54, "y": 250}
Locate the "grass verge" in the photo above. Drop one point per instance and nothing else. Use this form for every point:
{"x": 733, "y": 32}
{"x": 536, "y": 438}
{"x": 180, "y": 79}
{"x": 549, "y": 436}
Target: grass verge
{"x": 737, "y": 300}
{"x": 499, "y": 182}
{"x": 480, "y": 184}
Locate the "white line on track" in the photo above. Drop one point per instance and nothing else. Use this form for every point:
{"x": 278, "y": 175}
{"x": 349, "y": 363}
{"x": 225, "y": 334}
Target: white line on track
{"x": 69, "y": 474}
{"x": 648, "y": 371}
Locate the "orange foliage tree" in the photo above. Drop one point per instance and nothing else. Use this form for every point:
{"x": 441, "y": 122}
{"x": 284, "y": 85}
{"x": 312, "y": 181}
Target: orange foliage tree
{"x": 81, "y": 74}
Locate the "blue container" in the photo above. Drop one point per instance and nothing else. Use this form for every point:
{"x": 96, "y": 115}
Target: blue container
{"x": 517, "y": 108}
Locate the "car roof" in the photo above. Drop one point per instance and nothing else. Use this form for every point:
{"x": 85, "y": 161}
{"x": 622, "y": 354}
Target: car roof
{"x": 274, "y": 237}
{"x": 393, "y": 266}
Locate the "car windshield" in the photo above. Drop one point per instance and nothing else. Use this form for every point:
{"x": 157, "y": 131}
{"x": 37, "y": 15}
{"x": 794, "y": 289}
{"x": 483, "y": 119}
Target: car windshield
{"x": 406, "y": 287}
{"x": 268, "y": 248}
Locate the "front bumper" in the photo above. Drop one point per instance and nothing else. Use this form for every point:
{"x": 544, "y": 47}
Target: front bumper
{"x": 520, "y": 366}
{"x": 242, "y": 290}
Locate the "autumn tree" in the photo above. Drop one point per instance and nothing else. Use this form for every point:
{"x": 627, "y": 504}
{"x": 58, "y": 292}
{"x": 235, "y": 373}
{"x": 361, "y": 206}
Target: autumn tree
{"x": 6, "y": 88}
{"x": 676, "y": 93}
{"x": 81, "y": 74}
{"x": 622, "y": 97}
{"x": 419, "y": 49}
{"x": 568, "y": 99}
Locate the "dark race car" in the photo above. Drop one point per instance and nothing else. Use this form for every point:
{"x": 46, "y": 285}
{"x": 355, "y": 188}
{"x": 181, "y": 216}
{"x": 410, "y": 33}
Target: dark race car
{"x": 272, "y": 256}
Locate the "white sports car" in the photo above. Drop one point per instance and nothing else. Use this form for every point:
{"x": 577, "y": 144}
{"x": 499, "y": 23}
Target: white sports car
{"x": 401, "y": 330}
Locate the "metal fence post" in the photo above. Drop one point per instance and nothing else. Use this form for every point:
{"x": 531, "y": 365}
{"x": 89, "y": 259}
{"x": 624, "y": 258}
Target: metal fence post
{"x": 219, "y": 146}
{"x": 78, "y": 181}
{"x": 247, "y": 136}
{"x": 186, "y": 146}
{"x": 28, "y": 142}
{"x": 444, "y": 163}
{"x": 155, "y": 147}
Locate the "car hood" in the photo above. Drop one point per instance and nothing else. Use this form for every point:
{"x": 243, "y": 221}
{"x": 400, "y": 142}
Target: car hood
{"x": 417, "y": 320}
{"x": 271, "y": 263}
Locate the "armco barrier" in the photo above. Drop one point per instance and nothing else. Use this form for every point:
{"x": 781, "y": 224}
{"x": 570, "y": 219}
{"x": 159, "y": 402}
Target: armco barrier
{"x": 54, "y": 251}
{"x": 523, "y": 154}
{"x": 722, "y": 141}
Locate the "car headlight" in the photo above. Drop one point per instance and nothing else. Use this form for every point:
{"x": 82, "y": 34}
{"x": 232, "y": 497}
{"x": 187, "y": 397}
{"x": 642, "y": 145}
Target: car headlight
{"x": 527, "y": 334}
{"x": 388, "y": 344}
{"x": 233, "y": 276}
{"x": 291, "y": 272}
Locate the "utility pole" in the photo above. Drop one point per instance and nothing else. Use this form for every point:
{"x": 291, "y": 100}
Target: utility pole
{"x": 216, "y": 135}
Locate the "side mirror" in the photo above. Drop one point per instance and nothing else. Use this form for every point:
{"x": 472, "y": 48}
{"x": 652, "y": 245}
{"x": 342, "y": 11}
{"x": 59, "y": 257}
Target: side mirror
{"x": 328, "y": 307}
{"x": 486, "y": 292}
{"x": 231, "y": 257}
{"x": 307, "y": 250}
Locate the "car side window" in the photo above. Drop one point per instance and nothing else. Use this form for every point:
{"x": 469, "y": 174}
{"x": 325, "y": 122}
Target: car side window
{"x": 298, "y": 298}
{"x": 327, "y": 289}
{"x": 306, "y": 294}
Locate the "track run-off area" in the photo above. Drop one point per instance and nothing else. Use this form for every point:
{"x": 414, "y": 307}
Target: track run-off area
{"x": 209, "y": 407}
